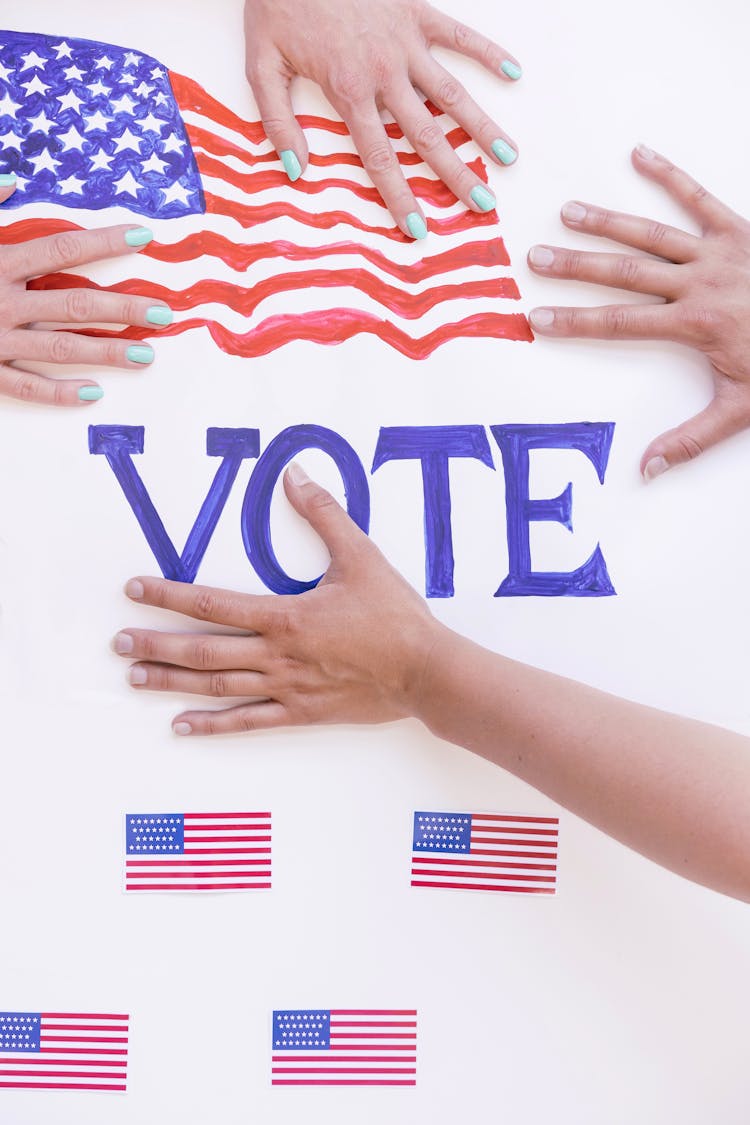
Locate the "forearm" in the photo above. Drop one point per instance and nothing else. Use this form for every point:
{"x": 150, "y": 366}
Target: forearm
{"x": 676, "y": 790}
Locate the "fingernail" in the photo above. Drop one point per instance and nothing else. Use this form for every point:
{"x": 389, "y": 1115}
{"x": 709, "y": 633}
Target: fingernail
{"x": 504, "y": 152}
{"x": 297, "y": 474}
{"x": 90, "y": 394}
{"x": 139, "y": 236}
{"x": 140, "y": 353}
{"x": 7, "y": 179}
{"x": 655, "y": 467}
{"x": 645, "y": 152}
{"x": 511, "y": 70}
{"x": 542, "y": 318}
{"x": 123, "y": 643}
{"x": 159, "y": 314}
{"x": 134, "y": 589}
{"x": 182, "y": 728}
{"x": 138, "y": 675}
{"x": 574, "y": 212}
{"x": 483, "y": 198}
{"x": 292, "y": 166}
{"x": 416, "y": 225}
{"x": 541, "y": 256}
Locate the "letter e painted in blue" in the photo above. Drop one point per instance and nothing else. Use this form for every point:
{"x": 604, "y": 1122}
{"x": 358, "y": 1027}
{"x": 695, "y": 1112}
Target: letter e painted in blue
{"x": 256, "y": 508}
{"x": 594, "y": 440}
{"x": 119, "y": 443}
{"x": 434, "y": 446}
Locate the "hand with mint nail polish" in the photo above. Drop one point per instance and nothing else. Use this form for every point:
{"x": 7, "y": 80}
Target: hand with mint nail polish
{"x": 24, "y": 312}
{"x": 370, "y": 55}
{"x": 702, "y": 288}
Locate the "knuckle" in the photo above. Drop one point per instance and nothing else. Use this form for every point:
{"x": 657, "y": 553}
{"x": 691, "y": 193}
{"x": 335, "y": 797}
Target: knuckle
{"x": 131, "y": 311}
{"x": 347, "y": 85}
{"x": 627, "y": 271}
{"x": 25, "y": 388}
{"x": 63, "y": 247}
{"x": 706, "y": 323}
{"x": 656, "y": 234}
{"x": 246, "y": 722}
{"x": 379, "y": 158}
{"x": 219, "y": 684}
{"x": 429, "y": 137}
{"x": 147, "y": 645}
{"x": 79, "y": 305}
{"x": 569, "y": 263}
{"x": 689, "y": 446}
{"x": 615, "y": 320}
{"x": 205, "y": 605}
{"x": 203, "y": 654}
{"x": 61, "y": 348}
{"x": 463, "y": 37}
{"x": 322, "y": 500}
{"x": 58, "y": 393}
{"x": 449, "y": 93}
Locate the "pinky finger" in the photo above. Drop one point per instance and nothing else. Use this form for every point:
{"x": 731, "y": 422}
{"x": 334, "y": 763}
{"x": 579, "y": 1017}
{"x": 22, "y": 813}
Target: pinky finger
{"x": 611, "y": 322}
{"x": 17, "y": 382}
{"x": 244, "y": 719}
{"x": 447, "y": 32}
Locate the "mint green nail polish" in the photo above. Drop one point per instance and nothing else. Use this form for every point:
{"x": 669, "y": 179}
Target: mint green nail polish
{"x": 7, "y": 179}
{"x": 90, "y": 394}
{"x": 139, "y": 236}
{"x": 159, "y": 314}
{"x": 140, "y": 353}
{"x": 292, "y": 166}
{"x": 483, "y": 198}
{"x": 416, "y": 225}
{"x": 510, "y": 70}
{"x": 504, "y": 152}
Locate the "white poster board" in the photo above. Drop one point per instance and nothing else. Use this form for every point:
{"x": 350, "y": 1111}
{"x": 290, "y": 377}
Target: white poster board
{"x": 621, "y": 999}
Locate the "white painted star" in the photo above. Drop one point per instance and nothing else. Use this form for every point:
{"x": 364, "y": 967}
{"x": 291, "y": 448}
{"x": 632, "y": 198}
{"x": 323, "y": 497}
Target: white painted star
{"x": 35, "y": 86}
{"x": 127, "y": 80}
{"x": 44, "y": 161}
{"x": 131, "y": 59}
{"x": 176, "y": 193}
{"x": 4, "y": 72}
{"x": 98, "y": 87}
{"x": 96, "y": 121}
{"x": 73, "y": 74}
{"x": 124, "y": 104}
{"x": 8, "y": 107}
{"x": 143, "y": 90}
{"x": 63, "y": 50}
{"x": 72, "y": 186}
{"x": 151, "y": 124}
{"x": 127, "y": 141}
{"x": 33, "y": 61}
{"x": 128, "y": 185}
{"x": 157, "y": 72}
{"x": 104, "y": 63}
{"x": 70, "y": 101}
{"x": 161, "y": 98}
{"x": 173, "y": 144}
{"x": 72, "y": 139}
{"x": 154, "y": 164}
{"x": 101, "y": 159}
{"x": 10, "y": 140}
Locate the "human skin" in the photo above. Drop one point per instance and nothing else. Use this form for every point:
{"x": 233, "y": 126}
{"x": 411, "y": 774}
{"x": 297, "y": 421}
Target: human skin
{"x": 23, "y": 314}
{"x": 703, "y": 285}
{"x": 362, "y": 647}
{"x": 369, "y": 55}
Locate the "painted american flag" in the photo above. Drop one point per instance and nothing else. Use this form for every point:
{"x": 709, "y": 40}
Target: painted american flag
{"x": 63, "y": 1051}
{"x": 344, "y": 1047}
{"x": 485, "y": 852}
{"x": 88, "y": 125}
{"x": 205, "y": 851}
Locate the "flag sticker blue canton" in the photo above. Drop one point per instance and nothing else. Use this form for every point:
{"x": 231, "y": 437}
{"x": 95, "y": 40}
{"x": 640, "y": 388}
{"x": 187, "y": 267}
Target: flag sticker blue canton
{"x": 344, "y": 1047}
{"x": 485, "y": 852}
{"x": 205, "y": 851}
{"x": 93, "y": 125}
{"x": 63, "y": 1051}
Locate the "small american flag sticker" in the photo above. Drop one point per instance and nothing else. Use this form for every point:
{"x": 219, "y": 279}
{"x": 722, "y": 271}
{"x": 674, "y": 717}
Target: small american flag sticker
{"x": 344, "y": 1047}
{"x": 485, "y": 852}
{"x": 63, "y": 1051}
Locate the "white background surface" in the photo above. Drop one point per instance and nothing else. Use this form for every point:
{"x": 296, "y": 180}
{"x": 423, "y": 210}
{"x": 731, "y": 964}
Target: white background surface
{"x": 622, "y": 1000}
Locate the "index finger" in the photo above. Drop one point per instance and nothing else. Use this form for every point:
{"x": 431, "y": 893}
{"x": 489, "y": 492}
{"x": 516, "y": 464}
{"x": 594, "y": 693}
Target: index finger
{"x": 71, "y": 248}
{"x": 252, "y": 612}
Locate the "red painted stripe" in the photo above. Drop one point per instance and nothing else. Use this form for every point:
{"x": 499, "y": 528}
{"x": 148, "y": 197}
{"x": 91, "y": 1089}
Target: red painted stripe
{"x": 69, "y": 1062}
{"x": 516, "y": 852}
{"x": 198, "y": 886}
{"x": 345, "y": 1058}
{"x": 229, "y": 826}
{"x": 335, "y": 1012}
{"x": 475, "y": 887}
{"x": 375, "y": 1023}
{"x": 82, "y": 1016}
{"x": 523, "y": 831}
{"x": 59, "y": 1086}
{"x": 517, "y": 819}
{"x": 527, "y": 843}
{"x": 201, "y": 874}
{"x": 226, "y": 815}
{"x": 225, "y": 839}
{"x": 340, "y": 1082}
{"x": 373, "y": 1035}
{"x": 83, "y": 1039}
{"x": 445, "y": 862}
{"x": 194, "y": 862}
{"x": 228, "y": 851}
{"x": 356, "y": 1047}
{"x": 491, "y": 875}
{"x": 80, "y": 1027}
{"x": 60, "y": 1074}
{"x": 342, "y": 1070}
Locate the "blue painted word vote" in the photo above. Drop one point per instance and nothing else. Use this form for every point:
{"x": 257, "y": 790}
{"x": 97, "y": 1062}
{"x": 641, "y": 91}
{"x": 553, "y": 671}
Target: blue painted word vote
{"x": 433, "y": 448}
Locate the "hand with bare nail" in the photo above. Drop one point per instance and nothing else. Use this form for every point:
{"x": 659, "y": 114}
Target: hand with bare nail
{"x": 369, "y": 55}
{"x": 24, "y": 313}
{"x": 703, "y": 286}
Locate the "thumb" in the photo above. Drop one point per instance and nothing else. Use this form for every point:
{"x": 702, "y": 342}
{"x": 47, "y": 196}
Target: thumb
{"x": 270, "y": 82}
{"x": 8, "y": 184}
{"x": 335, "y": 527}
{"x": 721, "y": 418}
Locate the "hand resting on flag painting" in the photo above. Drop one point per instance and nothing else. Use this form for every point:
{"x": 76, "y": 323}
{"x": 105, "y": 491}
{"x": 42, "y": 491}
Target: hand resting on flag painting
{"x": 24, "y": 313}
{"x": 704, "y": 285}
{"x": 370, "y": 55}
{"x": 362, "y": 647}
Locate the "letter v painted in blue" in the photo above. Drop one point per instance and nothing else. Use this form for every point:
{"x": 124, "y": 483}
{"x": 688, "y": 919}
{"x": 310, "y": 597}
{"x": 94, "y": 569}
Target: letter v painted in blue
{"x": 119, "y": 443}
